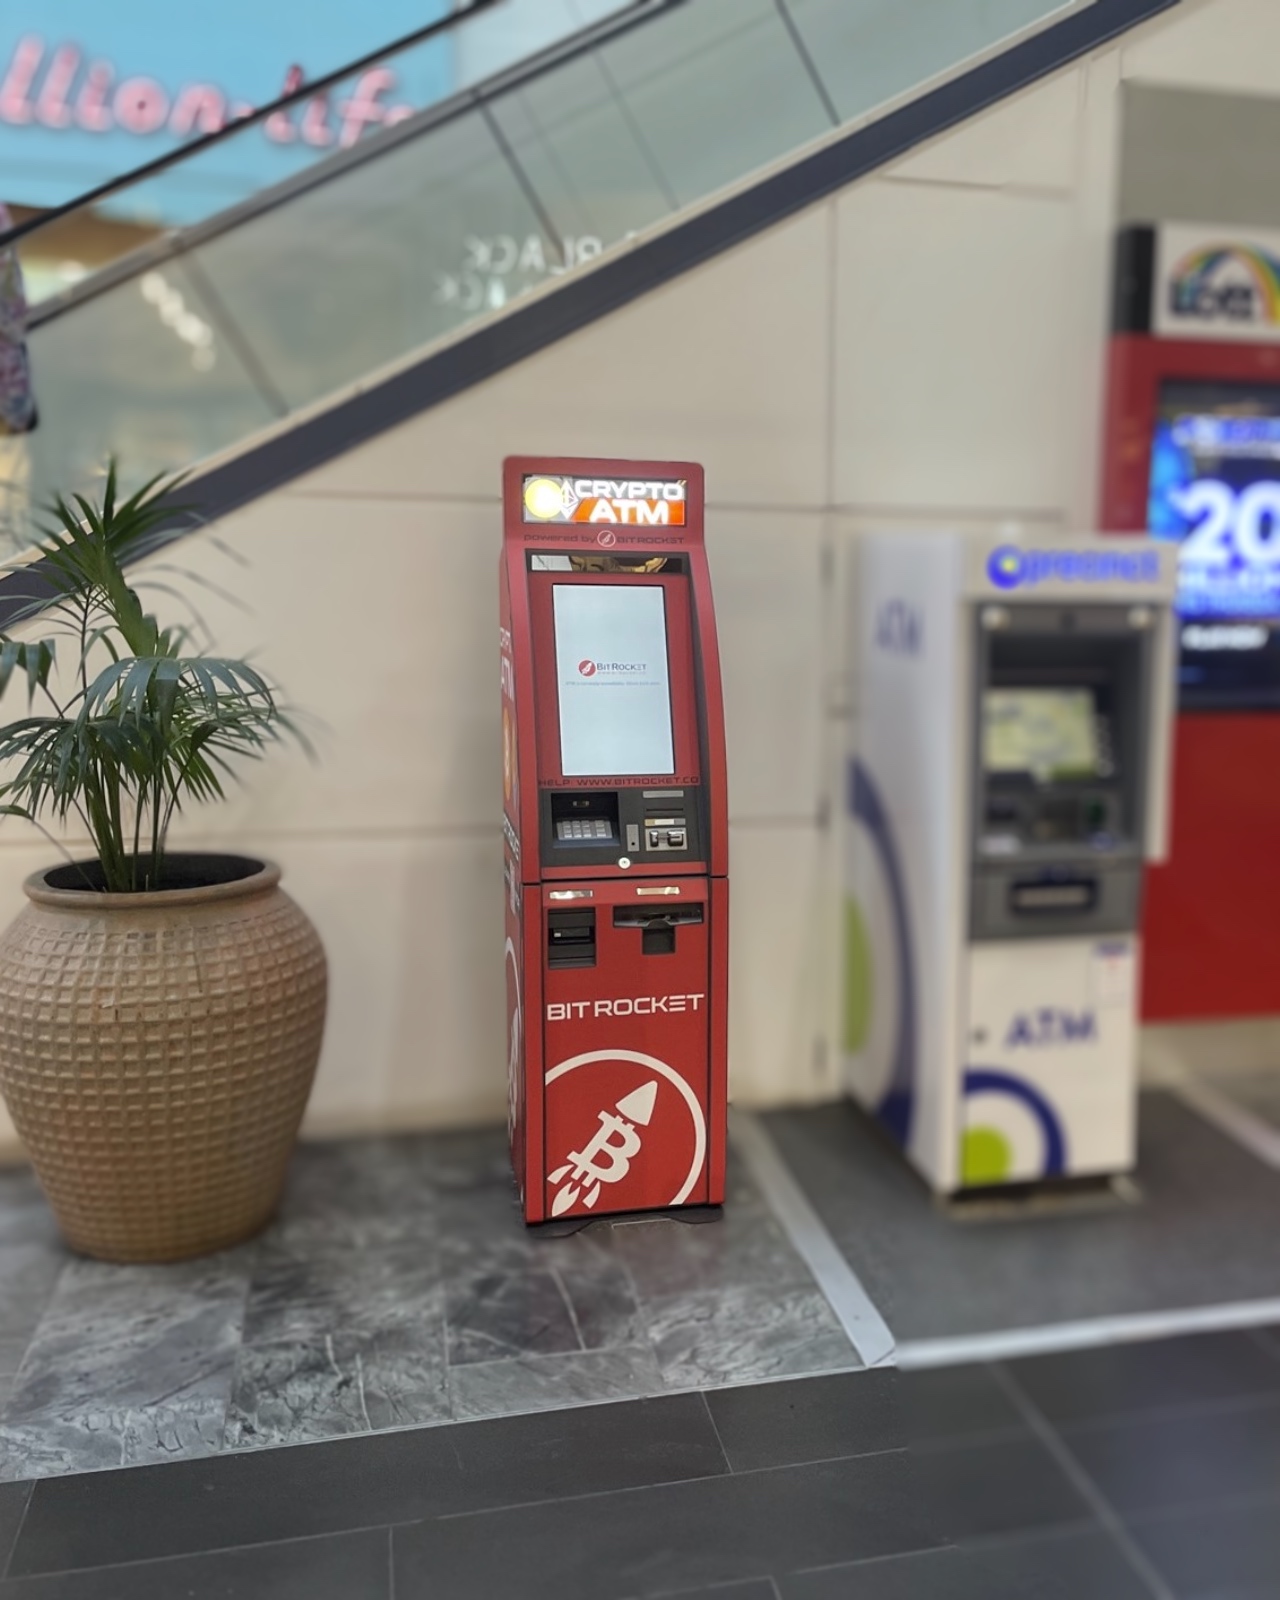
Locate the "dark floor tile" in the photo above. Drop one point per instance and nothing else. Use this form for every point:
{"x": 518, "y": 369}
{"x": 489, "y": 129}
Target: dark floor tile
{"x": 1196, "y": 1457}
{"x": 956, "y": 1402}
{"x": 13, "y": 1503}
{"x": 1159, "y": 1374}
{"x": 1203, "y": 1236}
{"x": 1204, "y": 1551}
{"x": 1082, "y": 1564}
{"x": 264, "y": 1495}
{"x": 348, "y": 1566}
{"x": 611, "y": 1546}
{"x": 752, "y": 1589}
{"x": 995, "y": 1487}
{"x": 808, "y": 1419}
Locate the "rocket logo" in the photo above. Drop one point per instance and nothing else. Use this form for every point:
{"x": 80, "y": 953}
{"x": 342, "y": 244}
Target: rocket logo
{"x": 608, "y": 1154}
{"x": 623, "y": 1131}
{"x": 587, "y": 669}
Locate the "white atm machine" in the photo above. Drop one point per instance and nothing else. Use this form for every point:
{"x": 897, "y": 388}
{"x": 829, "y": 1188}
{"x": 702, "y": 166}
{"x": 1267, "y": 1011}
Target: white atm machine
{"x": 1007, "y": 784}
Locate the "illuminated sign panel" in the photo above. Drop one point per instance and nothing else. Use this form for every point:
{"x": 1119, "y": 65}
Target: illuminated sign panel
{"x": 1215, "y": 488}
{"x": 649, "y": 502}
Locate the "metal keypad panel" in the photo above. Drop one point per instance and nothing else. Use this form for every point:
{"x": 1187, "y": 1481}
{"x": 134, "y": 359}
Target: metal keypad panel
{"x": 585, "y": 828}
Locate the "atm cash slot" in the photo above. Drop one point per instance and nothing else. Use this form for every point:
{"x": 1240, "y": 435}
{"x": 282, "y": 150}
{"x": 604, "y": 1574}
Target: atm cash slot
{"x": 1052, "y": 896}
{"x": 658, "y": 928}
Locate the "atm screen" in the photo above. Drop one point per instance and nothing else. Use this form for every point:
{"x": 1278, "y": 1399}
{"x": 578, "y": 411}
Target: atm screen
{"x": 612, "y": 680}
{"x": 1215, "y": 487}
{"x": 1046, "y": 733}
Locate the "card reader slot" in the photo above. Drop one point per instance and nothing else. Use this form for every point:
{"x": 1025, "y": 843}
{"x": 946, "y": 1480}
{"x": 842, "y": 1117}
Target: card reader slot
{"x": 571, "y": 938}
{"x": 1052, "y": 896}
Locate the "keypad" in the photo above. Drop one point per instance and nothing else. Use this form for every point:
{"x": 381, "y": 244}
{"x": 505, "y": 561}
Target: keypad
{"x": 584, "y": 828}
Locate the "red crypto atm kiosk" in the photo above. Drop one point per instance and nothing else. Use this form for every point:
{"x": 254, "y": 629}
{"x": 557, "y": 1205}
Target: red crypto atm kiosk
{"x": 616, "y": 839}
{"x": 1192, "y": 453}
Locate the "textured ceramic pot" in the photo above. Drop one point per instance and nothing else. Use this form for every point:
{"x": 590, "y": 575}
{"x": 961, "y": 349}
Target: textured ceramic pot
{"x": 157, "y": 1051}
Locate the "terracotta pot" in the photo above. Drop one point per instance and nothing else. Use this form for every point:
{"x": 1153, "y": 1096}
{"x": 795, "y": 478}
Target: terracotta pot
{"x": 157, "y": 1051}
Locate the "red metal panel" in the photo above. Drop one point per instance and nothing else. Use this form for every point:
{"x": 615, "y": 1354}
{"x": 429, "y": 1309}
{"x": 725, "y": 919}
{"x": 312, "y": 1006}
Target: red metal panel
{"x": 1210, "y": 928}
{"x": 627, "y": 1083}
{"x": 619, "y": 1069}
{"x": 1210, "y": 908}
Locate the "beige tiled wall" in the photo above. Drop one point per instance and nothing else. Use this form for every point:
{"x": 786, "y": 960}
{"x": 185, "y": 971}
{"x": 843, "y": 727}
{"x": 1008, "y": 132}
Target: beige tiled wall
{"x": 926, "y": 346}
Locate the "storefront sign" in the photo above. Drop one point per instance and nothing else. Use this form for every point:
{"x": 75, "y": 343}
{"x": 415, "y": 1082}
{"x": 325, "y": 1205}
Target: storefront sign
{"x": 1216, "y": 283}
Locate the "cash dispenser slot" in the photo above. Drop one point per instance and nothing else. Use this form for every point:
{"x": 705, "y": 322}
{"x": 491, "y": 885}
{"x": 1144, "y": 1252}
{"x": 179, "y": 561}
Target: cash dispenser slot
{"x": 1054, "y": 896}
{"x": 571, "y": 938}
{"x": 658, "y": 928}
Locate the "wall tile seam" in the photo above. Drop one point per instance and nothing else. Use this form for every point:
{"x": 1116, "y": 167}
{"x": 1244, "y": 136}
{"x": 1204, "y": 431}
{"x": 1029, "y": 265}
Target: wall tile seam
{"x": 1016, "y": 189}
{"x": 440, "y": 834}
{"x": 949, "y": 514}
{"x": 396, "y": 497}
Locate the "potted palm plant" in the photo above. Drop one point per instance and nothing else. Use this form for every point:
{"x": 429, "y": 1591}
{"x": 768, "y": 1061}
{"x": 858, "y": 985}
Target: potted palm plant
{"x": 161, "y": 1011}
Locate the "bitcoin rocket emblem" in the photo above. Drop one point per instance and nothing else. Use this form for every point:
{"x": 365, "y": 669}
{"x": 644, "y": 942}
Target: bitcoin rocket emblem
{"x": 608, "y": 1154}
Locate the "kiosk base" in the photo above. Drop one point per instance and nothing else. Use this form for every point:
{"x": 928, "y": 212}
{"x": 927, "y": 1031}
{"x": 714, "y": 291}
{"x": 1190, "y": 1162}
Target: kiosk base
{"x": 1059, "y": 1197}
{"x": 562, "y": 1227}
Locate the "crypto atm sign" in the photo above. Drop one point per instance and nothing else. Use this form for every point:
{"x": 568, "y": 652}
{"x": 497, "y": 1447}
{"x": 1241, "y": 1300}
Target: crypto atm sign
{"x": 636, "y": 502}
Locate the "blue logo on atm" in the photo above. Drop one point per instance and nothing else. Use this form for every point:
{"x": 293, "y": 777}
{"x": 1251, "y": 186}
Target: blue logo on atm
{"x": 1009, "y": 566}
{"x": 1048, "y": 1026}
{"x": 899, "y": 628}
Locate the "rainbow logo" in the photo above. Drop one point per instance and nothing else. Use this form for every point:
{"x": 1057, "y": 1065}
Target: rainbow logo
{"x": 1250, "y": 294}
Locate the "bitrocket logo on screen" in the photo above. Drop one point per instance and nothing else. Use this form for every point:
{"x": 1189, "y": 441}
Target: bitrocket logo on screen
{"x": 1010, "y": 567}
{"x": 587, "y": 669}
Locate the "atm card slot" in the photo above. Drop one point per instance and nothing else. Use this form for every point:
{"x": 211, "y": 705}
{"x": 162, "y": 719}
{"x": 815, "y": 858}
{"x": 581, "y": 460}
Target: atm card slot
{"x": 571, "y": 938}
{"x": 1053, "y": 896}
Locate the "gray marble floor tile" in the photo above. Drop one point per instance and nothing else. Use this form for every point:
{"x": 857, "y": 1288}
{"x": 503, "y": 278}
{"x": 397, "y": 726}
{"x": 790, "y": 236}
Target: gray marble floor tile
{"x": 116, "y": 1340}
{"x": 543, "y": 1383}
{"x": 98, "y": 1437}
{"x": 28, "y": 1274}
{"x": 602, "y": 1302}
{"x": 294, "y": 1393}
{"x": 745, "y": 1245}
{"x": 508, "y": 1314}
{"x": 301, "y": 1294}
{"x": 25, "y": 1217}
{"x": 745, "y": 1333}
{"x": 350, "y": 1193}
{"x": 483, "y": 1232}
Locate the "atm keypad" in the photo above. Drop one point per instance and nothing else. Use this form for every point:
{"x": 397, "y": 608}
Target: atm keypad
{"x": 584, "y": 830}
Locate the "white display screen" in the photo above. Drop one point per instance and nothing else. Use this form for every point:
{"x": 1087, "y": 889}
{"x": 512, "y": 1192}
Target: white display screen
{"x": 612, "y": 680}
{"x": 1049, "y": 733}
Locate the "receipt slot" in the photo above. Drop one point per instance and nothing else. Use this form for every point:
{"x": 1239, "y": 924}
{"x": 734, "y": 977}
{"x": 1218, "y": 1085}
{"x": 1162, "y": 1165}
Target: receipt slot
{"x": 616, "y": 839}
{"x": 1007, "y": 783}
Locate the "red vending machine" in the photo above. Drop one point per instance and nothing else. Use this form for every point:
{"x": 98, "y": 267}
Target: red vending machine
{"x": 616, "y": 839}
{"x": 1192, "y": 454}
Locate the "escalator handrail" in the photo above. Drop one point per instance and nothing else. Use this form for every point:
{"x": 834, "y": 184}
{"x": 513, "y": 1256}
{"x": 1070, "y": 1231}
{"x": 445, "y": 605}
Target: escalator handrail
{"x": 194, "y": 147}
{"x": 175, "y": 240}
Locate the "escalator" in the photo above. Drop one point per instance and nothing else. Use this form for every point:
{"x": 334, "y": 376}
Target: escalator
{"x": 449, "y": 241}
